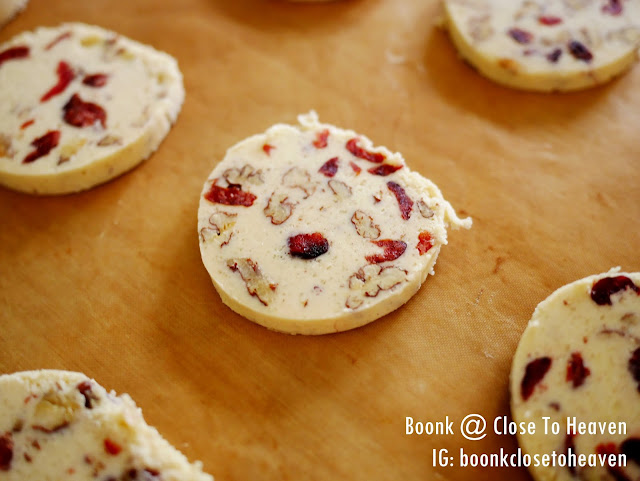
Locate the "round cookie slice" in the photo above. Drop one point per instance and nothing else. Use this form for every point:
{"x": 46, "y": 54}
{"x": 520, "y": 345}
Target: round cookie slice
{"x": 9, "y": 9}
{"x": 545, "y": 45}
{"x": 80, "y": 105}
{"x": 312, "y": 230}
{"x": 58, "y": 425}
{"x": 578, "y": 366}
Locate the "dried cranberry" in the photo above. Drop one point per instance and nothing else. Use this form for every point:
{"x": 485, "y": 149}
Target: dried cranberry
{"x": 65, "y": 77}
{"x": 384, "y": 169}
{"x": 356, "y": 168}
{"x": 520, "y": 36}
{"x": 607, "y": 449}
{"x": 549, "y": 20}
{"x": 330, "y": 167}
{"x": 232, "y": 195}
{"x": 95, "y": 80}
{"x": 267, "y": 148}
{"x": 576, "y": 370}
{"x": 392, "y": 250}
{"x": 614, "y": 7}
{"x": 533, "y": 374}
{"x": 404, "y": 201}
{"x": 631, "y": 448}
{"x": 58, "y": 39}
{"x": 375, "y": 157}
{"x": 85, "y": 389}
{"x": 570, "y": 446}
{"x": 602, "y": 290}
{"x": 634, "y": 366}
{"x": 83, "y": 114}
{"x": 14, "y": 53}
{"x": 6, "y": 451}
{"x": 321, "y": 139}
{"x": 424, "y": 242}
{"x": 308, "y": 246}
{"x": 579, "y": 51}
{"x": 111, "y": 447}
{"x": 43, "y": 146}
{"x": 26, "y": 124}
{"x": 554, "y": 55}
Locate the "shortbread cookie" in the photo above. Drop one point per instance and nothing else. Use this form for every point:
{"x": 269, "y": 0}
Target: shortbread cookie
{"x": 80, "y": 105}
{"x": 311, "y": 229}
{"x": 58, "y": 425}
{"x": 578, "y": 364}
{"x": 9, "y": 9}
{"x": 546, "y": 45}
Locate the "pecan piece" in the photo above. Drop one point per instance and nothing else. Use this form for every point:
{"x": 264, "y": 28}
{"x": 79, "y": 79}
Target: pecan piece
{"x": 340, "y": 189}
{"x": 86, "y": 390}
{"x": 298, "y": 178}
{"x": 221, "y": 224}
{"x": 370, "y": 280}
{"x": 365, "y": 227}
{"x": 5, "y": 146}
{"x": 54, "y": 412}
{"x": 109, "y": 140}
{"x": 247, "y": 174}
{"x": 425, "y": 210}
{"x": 257, "y": 283}
{"x": 279, "y": 208}
{"x": 70, "y": 149}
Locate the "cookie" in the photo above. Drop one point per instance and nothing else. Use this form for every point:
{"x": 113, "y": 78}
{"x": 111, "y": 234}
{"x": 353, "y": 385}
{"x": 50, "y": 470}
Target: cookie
{"x": 311, "y": 229}
{"x": 9, "y": 9}
{"x": 62, "y": 425}
{"x": 80, "y": 105}
{"x": 578, "y": 365}
{"x": 545, "y": 45}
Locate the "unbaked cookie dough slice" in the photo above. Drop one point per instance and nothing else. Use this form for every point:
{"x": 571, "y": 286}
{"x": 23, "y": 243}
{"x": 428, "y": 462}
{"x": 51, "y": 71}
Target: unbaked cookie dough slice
{"x": 546, "y": 45}
{"x": 9, "y": 9}
{"x": 578, "y": 365}
{"x": 310, "y": 229}
{"x": 58, "y": 425}
{"x": 80, "y": 105}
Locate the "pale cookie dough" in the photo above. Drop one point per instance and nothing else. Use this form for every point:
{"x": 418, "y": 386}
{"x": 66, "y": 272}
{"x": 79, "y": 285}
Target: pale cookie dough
{"x": 578, "y": 364}
{"x": 57, "y": 425}
{"x": 546, "y": 45}
{"x": 9, "y": 9}
{"x": 80, "y": 105}
{"x": 312, "y": 230}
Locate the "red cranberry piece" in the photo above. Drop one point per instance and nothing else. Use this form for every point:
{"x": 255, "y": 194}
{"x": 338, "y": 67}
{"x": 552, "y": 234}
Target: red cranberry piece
{"x": 95, "y": 80}
{"x": 356, "y": 168}
{"x": 384, "y": 169}
{"x": 267, "y": 148}
{"x": 392, "y": 249}
{"x": 321, "y": 139}
{"x": 232, "y": 195}
{"x": 83, "y": 114}
{"x": 554, "y": 55}
{"x": 549, "y": 20}
{"x": 6, "y": 451}
{"x": 614, "y": 7}
{"x": 14, "y": 53}
{"x": 89, "y": 396}
{"x": 631, "y": 448}
{"x": 533, "y": 374}
{"x": 308, "y": 246}
{"x": 58, "y": 39}
{"x": 520, "y": 36}
{"x": 375, "y": 157}
{"x": 65, "y": 76}
{"x": 424, "y": 242}
{"x": 607, "y": 449}
{"x": 576, "y": 370}
{"x": 602, "y": 290}
{"x": 404, "y": 201}
{"x": 634, "y": 366}
{"x": 579, "y": 51}
{"x": 28, "y": 123}
{"x": 111, "y": 447}
{"x": 569, "y": 444}
{"x": 43, "y": 146}
{"x": 330, "y": 167}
